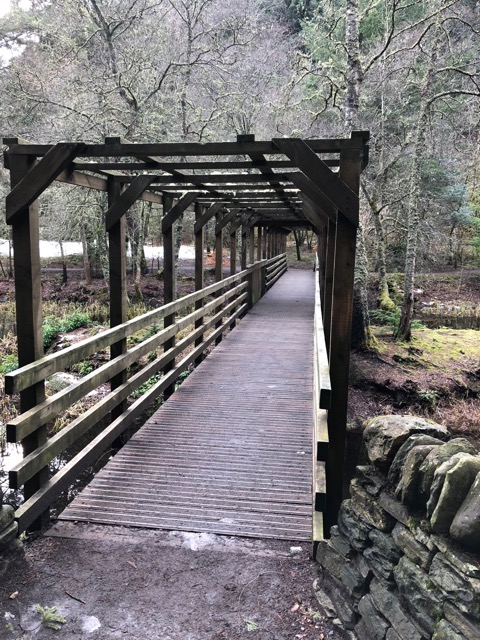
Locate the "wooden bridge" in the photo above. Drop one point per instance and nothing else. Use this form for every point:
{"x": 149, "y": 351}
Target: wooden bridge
{"x": 252, "y": 443}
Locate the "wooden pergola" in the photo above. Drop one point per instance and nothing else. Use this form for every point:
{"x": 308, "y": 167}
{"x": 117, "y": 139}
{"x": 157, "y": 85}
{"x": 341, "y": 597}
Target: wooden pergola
{"x": 266, "y": 188}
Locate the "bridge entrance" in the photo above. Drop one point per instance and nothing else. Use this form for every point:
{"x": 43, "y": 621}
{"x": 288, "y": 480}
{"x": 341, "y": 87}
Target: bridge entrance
{"x": 254, "y": 193}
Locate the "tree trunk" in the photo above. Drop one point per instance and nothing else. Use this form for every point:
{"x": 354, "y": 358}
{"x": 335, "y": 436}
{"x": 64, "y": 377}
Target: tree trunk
{"x": 297, "y": 244}
{"x": 404, "y": 331}
{"x": 64, "y": 264}
{"x": 361, "y": 334}
{"x": 86, "y": 259}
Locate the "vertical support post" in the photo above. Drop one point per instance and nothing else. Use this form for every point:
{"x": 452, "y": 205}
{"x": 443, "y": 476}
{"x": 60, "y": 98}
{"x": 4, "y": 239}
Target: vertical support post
{"x": 259, "y": 243}
{"x": 118, "y": 291}
{"x": 331, "y": 234}
{"x": 233, "y": 253}
{"x": 244, "y": 246}
{"x": 199, "y": 272}
{"x": 169, "y": 283}
{"x": 341, "y": 329}
{"x": 251, "y": 245}
{"x": 28, "y": 298}
{"x": 264, "y": 242}
{"x": 219, "y": 264}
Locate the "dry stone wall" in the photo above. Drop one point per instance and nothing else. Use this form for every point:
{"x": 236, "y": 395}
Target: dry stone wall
{"x": 403, "y": 562}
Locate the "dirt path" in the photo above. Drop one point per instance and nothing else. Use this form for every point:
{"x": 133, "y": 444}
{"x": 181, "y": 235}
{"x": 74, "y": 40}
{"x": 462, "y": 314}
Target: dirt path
{"x": 110, "y": 583}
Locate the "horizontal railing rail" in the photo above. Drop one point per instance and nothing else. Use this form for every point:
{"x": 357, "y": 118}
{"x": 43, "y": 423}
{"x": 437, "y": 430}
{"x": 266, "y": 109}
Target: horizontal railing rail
{"x": 222, "y": 304}
{"x": 275, "y": 268}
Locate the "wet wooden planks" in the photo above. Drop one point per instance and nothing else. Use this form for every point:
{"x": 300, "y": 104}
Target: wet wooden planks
{"x": 230, "y": 451}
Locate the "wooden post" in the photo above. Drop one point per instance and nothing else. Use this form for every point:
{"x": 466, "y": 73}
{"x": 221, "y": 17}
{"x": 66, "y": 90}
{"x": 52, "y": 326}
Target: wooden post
{"x": 218, "y": 264}
{"x": 251, "y": 245}
{"x": 259, "y": 243}
{"x": 264, "y": 243}
{"x": 118, "y": 291}
{"x": 233, "y": 253}
{"x": 331, "y": 233}
{"x": 341, "y": 329}
{"x": 199, "y": 271}
{"x": 169, "y": 283}
{"x": 244, "y": 246}
{"x": 28, "y": 299}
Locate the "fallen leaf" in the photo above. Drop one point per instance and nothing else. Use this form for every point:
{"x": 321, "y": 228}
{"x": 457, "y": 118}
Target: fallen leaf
{"x": 14, "y": 595}
{"x": 295, "y": 607}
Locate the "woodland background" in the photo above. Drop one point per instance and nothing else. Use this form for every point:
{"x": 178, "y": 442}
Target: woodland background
{"x": 204, "y": 70}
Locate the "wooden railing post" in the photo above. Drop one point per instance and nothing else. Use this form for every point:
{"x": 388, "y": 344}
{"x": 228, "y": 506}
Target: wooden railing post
{"x": 340, "y": 338}
{"x": 331, "y": 233}
{"x": 218, "y": 261}
{"x": 259, "y": 244}
{"x": 118, "y": 289}
{"x": 27, "y": 273}
{"x": 251, "y": 247}
{"x": 199, "y": 271}
{"x": 169, "y": 283}
{"x": 233, "y": 253}
{"x": 244, "y": 246}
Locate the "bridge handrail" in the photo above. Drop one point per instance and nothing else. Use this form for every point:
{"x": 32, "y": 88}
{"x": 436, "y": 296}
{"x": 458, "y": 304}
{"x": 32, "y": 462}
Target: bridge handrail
{"x": 322, "y": 391}
{"x": 50, "y": 364}
{"x": 233, "y": 298}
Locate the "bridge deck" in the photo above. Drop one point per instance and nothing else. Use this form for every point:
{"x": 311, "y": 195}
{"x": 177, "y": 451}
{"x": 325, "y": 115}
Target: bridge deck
{"x": 230, "y": 452}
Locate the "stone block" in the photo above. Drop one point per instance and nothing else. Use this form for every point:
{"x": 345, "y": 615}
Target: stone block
{"x": 392, "y": 635}
{"x": 438, "y": 456}
{"x": 375, "y": 624}
{"x": 385, "y": 545}
{"x": 341, "y": 543}
{"x": 330, "y": 559}
{"x": 445, "y": 631}
{"x": 458, "y": 480}
{"x": 8, "y": 535}
{"x": 355, "y": 583}
{"x": 368, "y": 508}
{"x": 464, "y": 475}
{"x": 381, "y": 566}
{"x": 407, "y": 490}
{"x": 390, "y": 607}
{"x": 396, "y": 509}
{"x": 460, "y": 590}
{"x": 384, "y": 435}
{"x": 352, "y": 527}
{"x": 343, "y": 604}
{"x": 371, "y": 479}
{"x": 465, "y": 527}
{"x": 419, "y": 595}
{"x": 7, "y": 513}
{"x": 412, "y": 548}
{"x": 396, "y": 469}
{"x": 467, "y": 564}
{"x": 464, "y": 623}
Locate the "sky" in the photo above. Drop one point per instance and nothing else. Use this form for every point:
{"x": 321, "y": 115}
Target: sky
{"x": 5, "y": 6}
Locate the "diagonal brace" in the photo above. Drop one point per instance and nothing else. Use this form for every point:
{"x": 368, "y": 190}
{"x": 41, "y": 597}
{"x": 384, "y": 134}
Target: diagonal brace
{"x": 128, "y": 198}
{"x": 332, "y": 186}
{"x": 205, "y": 217}
{"x": 177, "y": 210}
{"x": 42, "y": 174}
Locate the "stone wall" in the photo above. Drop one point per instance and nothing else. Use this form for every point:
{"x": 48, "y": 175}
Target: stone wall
{"x": 403, "y": 563}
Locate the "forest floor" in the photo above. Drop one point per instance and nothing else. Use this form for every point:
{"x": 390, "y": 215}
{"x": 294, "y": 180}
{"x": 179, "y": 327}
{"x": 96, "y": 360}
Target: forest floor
{"x": 110, "y": 583}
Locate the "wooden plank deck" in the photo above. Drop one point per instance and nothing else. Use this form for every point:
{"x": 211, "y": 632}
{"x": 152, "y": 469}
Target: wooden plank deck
{"x": 231, "y": 451}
